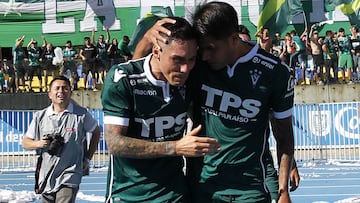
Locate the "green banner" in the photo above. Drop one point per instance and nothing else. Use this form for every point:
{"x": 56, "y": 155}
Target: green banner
{"x": 62, "y": 20}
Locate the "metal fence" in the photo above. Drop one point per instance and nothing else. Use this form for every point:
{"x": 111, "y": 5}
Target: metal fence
{"x": 321, "y": 131}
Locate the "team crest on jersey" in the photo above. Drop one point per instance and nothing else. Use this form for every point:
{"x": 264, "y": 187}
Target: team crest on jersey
{"x": 118, "y": 75}
{"x": 255, "y": 76}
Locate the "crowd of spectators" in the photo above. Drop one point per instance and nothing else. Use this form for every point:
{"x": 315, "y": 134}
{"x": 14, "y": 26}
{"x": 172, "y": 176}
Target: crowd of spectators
{"x": 90, "y": 61}
{"x": 317, "y": 59}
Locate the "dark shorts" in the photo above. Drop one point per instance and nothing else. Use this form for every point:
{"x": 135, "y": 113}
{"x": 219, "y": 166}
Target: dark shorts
{"x": 102, "y": 65}
{"x": 35, "y": 70}
{"x": 47, "y": 65}
{"x": 89, "y": 66}
{"x": 19, "y": 70}
{"x": 318, "y": 60}
{"x": 69, "y": 65}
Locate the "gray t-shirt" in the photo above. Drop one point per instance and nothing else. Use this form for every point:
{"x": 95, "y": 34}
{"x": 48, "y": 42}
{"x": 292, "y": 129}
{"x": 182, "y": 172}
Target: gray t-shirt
{"x": 72, "y": 125}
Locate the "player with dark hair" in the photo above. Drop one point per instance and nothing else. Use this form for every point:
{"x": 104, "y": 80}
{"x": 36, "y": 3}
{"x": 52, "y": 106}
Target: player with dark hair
{"x": 145, "y": 109}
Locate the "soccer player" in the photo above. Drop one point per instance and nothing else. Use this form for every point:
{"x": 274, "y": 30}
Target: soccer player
{"x": 145, "y": 106}
{"x": 235, "y": 94}
{"x": 235, "y": 90}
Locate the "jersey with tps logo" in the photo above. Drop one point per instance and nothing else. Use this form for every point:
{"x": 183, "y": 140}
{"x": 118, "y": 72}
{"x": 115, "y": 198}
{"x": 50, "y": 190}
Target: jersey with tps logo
{"x": 156, "y": 112}
{"x": 234, "y": 104}
{"x": 34, "y": 56}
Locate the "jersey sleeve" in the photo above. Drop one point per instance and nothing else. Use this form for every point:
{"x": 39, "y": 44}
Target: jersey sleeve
{"x": 30, "y": 133}
{"x": 282, "y": 99}
{"x": 90, "y": 123}
{"x": 116, "y": 96}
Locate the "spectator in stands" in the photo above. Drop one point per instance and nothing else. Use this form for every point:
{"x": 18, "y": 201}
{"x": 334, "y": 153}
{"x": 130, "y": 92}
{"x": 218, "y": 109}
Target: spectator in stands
{"x": 58, "y": 132}
{"x": 345, "y": 58}
{"x": 124, "y": 48}
{"x": 2, "y": 78}
{"x": 264, "y": 39}
{"x": 47, "y": 57}
{"x": 34, "y": 54}
{"x": 19, "y": 63}
{"x": 278, "y": 47}
{"x": 289, "y": 47}
{"x": 10, "y": 71}
{"x": 88, "y": 55}
{"x": 102, "y": 62}
{"x": 300, "y": 53}
{"x": 316, "y": 51}
{"x": 70, "y": 63}
{"x": 330, "y": 56}
{"x": 114, "y": 53}
{"x": 355, "y": 51}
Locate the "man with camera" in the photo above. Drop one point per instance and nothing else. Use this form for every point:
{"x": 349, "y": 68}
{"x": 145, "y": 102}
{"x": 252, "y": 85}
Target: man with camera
{"x": 58, "y": 133}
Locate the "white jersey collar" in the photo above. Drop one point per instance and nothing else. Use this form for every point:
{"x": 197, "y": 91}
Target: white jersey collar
{"x": 242, "y": 59}
{"x": 50, "y": 110}
{"x": 160, "y": 83}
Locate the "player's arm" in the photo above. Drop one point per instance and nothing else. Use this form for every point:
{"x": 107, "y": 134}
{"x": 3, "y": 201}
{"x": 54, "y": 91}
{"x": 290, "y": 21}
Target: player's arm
{"x": 190, "y": 145}
{"x": 285, "y": 151}
{"x": 151, "y": 37}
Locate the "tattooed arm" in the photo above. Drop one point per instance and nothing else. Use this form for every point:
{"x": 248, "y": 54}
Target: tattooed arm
{"x": 190, "y": 145}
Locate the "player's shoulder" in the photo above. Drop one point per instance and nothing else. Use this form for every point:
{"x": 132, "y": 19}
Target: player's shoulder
{"x": 130, "y": 67}
{"x": 270, "y": 61}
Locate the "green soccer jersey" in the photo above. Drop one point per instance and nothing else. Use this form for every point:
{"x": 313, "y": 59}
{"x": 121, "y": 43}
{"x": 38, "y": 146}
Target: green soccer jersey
{"x": 34, "y": 56}
{"x": 69, "y": 53}
{"x": 234, "y": 104}
{"x": 331, "y": 52}
{"x": 154, "y": 111}
{"x": 344, "y": 45}
{"x": 18, "y": 55}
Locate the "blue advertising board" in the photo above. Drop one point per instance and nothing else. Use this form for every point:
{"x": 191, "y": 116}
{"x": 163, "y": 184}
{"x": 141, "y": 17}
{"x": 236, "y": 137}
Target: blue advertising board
{"x": 336, "y": 124}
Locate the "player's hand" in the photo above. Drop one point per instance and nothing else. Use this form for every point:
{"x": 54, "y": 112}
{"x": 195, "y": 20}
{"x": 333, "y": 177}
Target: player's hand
{"x": 153, "y": 34}
{"x": 194, "y": 146}
{"x": 284, "y": 197}
{"x": 294, "y": 179}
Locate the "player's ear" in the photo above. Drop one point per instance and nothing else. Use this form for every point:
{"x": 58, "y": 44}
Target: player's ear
{"x": 156, "y": 51}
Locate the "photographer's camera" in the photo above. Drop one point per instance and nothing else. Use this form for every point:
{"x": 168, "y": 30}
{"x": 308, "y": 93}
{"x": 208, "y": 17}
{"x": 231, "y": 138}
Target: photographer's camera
{"x": 56, "y": 144}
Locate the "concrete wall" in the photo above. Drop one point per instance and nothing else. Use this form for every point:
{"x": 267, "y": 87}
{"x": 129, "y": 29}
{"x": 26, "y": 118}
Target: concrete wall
{"x": 89, "y": 99}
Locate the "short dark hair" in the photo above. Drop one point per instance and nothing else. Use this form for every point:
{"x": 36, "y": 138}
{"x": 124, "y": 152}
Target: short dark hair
{"x": 244, "y": 30}
{"x": 60, "y": 77}
{"x": 341, "y": 30}
{"x": 180, "y": 30}
{"x": 86, "y": 38}
{"x": 216, "y": 19}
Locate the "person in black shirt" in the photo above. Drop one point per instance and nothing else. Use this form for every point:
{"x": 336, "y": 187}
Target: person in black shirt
{"x": 88, "y": 54}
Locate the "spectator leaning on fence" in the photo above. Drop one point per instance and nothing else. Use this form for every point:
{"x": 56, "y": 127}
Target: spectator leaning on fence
{"x": 58, "y": 132}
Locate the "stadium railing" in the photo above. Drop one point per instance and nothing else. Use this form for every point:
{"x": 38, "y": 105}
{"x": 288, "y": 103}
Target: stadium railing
{"x": 327, "y": 131}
